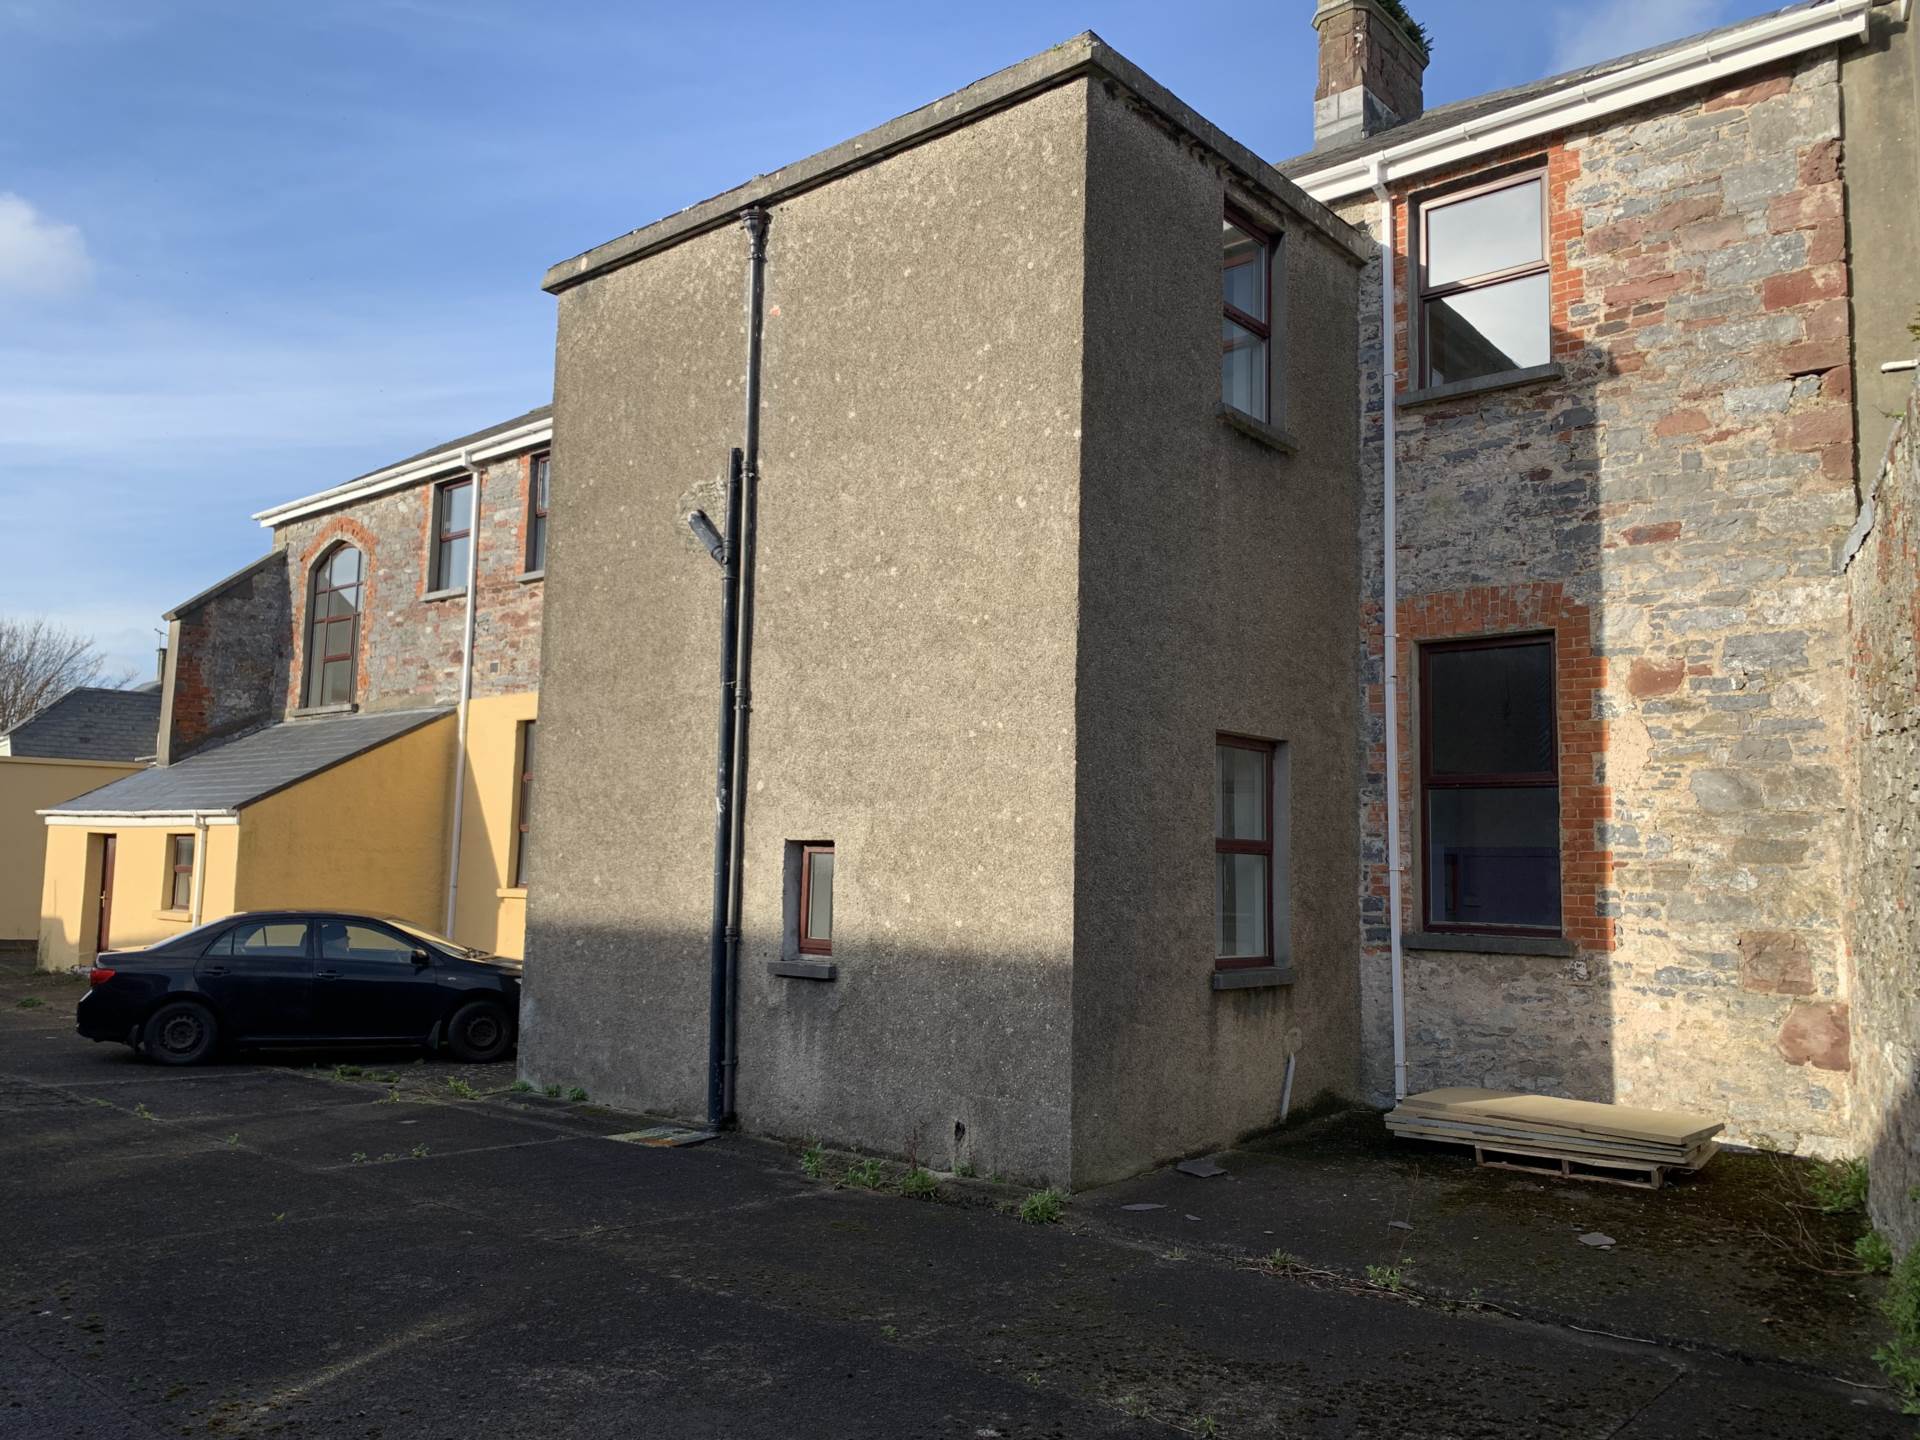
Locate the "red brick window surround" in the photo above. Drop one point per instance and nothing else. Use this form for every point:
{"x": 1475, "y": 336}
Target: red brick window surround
{"x": 334, "y": 606}
{"x": 452, "y": 534}
{"x": 539, "y": 470}
{"x": 1484, "y": 277}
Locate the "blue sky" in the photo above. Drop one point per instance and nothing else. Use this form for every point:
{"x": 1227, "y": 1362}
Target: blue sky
{"x": 250, "y": 248}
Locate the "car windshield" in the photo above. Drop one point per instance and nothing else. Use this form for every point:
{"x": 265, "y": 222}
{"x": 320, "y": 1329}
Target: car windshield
{"x": 441, "y": 940}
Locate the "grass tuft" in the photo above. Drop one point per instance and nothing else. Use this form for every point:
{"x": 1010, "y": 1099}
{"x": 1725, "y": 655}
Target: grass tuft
{"x": 460, "y": 1089}
{"x": 1388, "y": 1277}
{"x": 813, "y": 1160}
{"x": 1839, "y": 1187}
{"x": 865, "y": 1175}
{"x": 919, "y": 1184}
{"x": 1043, "y": 1207}
{"x": 30, "y": 1002}
{"x": 577, "y": 1095}
{"x": 1873, "y": 1251}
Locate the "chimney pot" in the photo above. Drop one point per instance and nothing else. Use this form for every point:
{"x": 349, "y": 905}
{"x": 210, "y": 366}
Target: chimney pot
{"x": 1371, "y": 69}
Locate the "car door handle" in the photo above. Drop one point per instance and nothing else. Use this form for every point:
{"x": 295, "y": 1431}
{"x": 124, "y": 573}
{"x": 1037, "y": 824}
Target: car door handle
{"x": 214, "y": 970}
{"x": 326, "y": 974}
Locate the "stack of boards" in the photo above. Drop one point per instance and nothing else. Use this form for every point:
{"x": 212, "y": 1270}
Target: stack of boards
{"x": 1579, "y": 1139}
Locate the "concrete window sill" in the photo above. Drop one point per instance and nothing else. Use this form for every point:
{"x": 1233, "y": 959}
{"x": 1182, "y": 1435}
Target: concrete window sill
{"x": 532, "y": 575}
{"x": 511, "y": 892}
{"x": 1551, "y": 945}
{"x": 305, "y": 711}
{"x": 1271, "y": 436}
{"x": 1264, "y": 977}
{"x": 1481, "y": 384}
{"x": 434, "y": 595}
{"x": 176, "y": 917}
{"x": 804, "y": 969}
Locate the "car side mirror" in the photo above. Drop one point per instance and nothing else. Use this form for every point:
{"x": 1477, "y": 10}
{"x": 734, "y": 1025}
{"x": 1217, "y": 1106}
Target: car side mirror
{"x": 421, "y": 957}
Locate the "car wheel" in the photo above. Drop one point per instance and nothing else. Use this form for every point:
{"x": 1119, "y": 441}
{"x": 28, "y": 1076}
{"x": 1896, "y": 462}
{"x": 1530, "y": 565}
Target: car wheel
{"x": 180, "y": 1033}
{"x": 480, "y": 1031}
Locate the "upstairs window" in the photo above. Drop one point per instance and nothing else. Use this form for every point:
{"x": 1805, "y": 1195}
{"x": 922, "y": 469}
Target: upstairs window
{"x": 537, "y": 512}
{"x": 180, "y": 872}
{"x": 1483, "y": 280}
{"x": 452, "y": 534}
{"x": 1246, "y": 327}
{"x": 333, "y": 626}
{"x": 816, "y": 899}
{"x": 1490, "y": 780}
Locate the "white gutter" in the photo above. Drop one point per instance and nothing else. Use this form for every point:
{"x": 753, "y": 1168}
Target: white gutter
{"x": 1390, "y": 608}
{"x": 469, "y": 460}
{"x": 395, "y": 477}
{"x": 139, "y": 819}
{"x": 1706, "y": 61}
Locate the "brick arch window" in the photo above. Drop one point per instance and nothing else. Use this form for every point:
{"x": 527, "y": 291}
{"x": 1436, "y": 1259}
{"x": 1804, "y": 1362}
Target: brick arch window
{"x": 333, "y": 625}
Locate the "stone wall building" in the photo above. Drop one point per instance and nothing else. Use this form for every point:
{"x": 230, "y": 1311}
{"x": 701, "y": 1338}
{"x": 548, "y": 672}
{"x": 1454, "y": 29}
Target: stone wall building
{"x": 332, "y": 670}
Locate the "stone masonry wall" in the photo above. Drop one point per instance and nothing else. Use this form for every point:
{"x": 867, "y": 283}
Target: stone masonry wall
{"x": 1672, "y": 507}
{"x": 1883, "y": 881}
{"x": 410, "y": 638}
{"x": 228, "y": 656}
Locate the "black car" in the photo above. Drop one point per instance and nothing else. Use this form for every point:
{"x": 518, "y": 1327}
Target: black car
{"x": 301, "y": 977}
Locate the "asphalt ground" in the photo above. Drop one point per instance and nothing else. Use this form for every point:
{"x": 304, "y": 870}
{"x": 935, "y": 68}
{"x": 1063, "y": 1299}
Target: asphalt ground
{"x": 280, "y": 1248}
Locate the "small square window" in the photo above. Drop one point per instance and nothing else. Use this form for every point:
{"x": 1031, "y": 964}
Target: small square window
{"x": 816, "y": 899}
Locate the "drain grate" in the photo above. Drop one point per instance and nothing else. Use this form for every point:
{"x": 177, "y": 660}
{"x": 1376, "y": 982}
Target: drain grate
{"x": 663, "y": 1136}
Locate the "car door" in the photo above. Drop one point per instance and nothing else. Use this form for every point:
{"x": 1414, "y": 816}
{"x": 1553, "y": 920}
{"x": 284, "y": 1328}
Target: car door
{"x": 368, "y": 985}
{"x": 260, "y": 976}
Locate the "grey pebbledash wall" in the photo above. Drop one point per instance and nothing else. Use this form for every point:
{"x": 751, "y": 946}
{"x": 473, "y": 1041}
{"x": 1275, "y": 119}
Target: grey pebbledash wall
{"x": 1883, "y": 883}
{"x": 1673, "y": 507}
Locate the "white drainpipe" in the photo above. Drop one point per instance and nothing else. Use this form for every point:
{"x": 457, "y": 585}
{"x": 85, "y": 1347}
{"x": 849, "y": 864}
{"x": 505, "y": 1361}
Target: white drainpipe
{"x": 466, "y": 692}
{"x": 199, "y": 867}
{"x": 1390, "y": 603}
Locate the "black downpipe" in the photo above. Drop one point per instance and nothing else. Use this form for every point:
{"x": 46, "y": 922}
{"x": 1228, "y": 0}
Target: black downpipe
{"x": 755, "y": 221}
{"x": 726, "y": 554}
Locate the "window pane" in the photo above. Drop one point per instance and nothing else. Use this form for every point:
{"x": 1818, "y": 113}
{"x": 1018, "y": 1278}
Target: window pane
{"x": 1486, "y": 331}
{"x": 456, "y": 508}
{"x": 820, "y": 895}
{"x": 344, "y": 568}
{"x": 341, "y": 941}
{"x": 270, "y": 939}
{"x": 1490, "y": 232}
{"x": 537, "y": 545}
{"x": 453, "y": 564}
{"x": 1491, "y": 710}
{"x": 1493, "y": 856}
{"x": 1244, "y": 277}
{"x": 336, "y": 682}
{"x": 182, "y": 896}
{"x": 1240, "y": 794}
{"x": 1243, "y": 369}
{"x": 1242, "y": 906}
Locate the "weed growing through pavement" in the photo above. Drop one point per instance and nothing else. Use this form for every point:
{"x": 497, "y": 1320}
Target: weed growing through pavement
{"x": 577, "y": 1095}
{"x": 521, "y": 1087}
{"x": 30, "y": 1002}
{"x": 813, "y": 1160}
{"x": 865, "y": 1175}
{"x": 965, "y": 1170}
{"x": 552, "y": 1092}
{"x": 460, "y": 1089}
{"x": 1873, "y": 1251}
{"x": 143, "y": 1113}
{"x": 1839, "y": 1186}
{"x": 918, "y": 1184}
{"x": 1043, "y": 1207}
{"x": 1284, "y": 1260}
{"x": 359, "y": 1158}
{"x": 420, "y": 1152}
{"x": 1901, "y": 1357}
{"x": 233, "y": 1139}
{"x": 1388, "y": 1277}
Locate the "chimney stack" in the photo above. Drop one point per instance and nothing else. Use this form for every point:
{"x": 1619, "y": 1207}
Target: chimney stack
{"x": 1372, "y": 58}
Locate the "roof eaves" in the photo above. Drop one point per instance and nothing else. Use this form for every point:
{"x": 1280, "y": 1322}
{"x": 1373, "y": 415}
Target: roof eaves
{"x": 1084, "y": 54}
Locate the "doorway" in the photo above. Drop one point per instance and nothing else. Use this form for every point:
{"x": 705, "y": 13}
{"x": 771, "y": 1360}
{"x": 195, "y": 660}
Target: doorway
{"x": 103, "y": 915}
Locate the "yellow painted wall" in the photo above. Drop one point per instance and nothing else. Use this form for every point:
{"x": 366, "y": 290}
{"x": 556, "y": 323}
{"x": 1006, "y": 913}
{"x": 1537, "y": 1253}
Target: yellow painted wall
{"x": 28, "y": 785}
{"x": 142, "y": 887}
{"x": 492, "y": 912}
{"x": 369, "y": 834}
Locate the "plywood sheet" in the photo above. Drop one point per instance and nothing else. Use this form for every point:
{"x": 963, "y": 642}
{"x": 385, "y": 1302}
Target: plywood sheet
{"x": 1569, "y": 1144}
{"x": 1546, "y": 1112}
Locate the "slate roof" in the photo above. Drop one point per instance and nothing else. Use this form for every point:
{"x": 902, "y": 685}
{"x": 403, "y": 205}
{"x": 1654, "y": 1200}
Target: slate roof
{"x": 226, "y": 777}
{"x": 539, "y": 412}
{"x": 1460, "y": 111}
{"x": 91, "y": 723}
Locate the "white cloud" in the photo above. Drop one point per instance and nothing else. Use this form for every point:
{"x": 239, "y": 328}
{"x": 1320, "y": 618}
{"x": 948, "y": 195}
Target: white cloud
{"x": 39, "y": 256}
{"x": 1585, "y": 33}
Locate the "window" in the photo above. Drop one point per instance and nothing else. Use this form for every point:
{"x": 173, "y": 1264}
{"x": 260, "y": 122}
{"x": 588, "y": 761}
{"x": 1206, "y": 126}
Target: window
{"x": 1483, "y": 280}
{"x": 1245, "y": 325}
{"x": 1490, "y": 785}
{"x": 180, "y": 872}
{"x": 342, "y": 940}
{"x": 816, "y": 899}
{"x": 263, "y": 938}
{"x": 537, "y": 473}
{"x": 452, "y": 534}
{"x": 1243, "y": 853}
{"x": 333, "y": 619}
{"x": 523, "y": 806}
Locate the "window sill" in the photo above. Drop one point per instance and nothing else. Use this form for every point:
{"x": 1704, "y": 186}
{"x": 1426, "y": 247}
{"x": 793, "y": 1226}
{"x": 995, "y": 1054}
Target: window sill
{"x": 532, "y": 575}
{"x": 459, "y": 593}
{"x": 307, "y": 711}
{"x": 511, "y": 892}
{"x": 804, "y": 969}
{"x": 1481, "y": 384}
{"x": 177, "y": 917}
{"x": 1262, "y": 977}
{"x": 1551, "y": 945}
{"x": 1271, "y": 436}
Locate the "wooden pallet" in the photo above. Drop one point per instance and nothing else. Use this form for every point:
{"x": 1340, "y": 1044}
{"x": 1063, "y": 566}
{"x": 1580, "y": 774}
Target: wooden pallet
{"x": 1636, "y": 1174}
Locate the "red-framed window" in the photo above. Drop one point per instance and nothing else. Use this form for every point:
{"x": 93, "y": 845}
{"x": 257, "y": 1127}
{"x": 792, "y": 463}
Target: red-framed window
{"x": 1243, "y": 852}
{"x": 1485, "y": 288}
{"x": 180, "y": 872}
{"x": 816, "y": 898}
{"x": 1246, "y": 322}
{"x": 452, "y": 533}
{"x": 523, "y": 805}
{"x": 1490, "y": 786}
{"x": 539, "y": 470}
{"x": 333, "y": 626}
